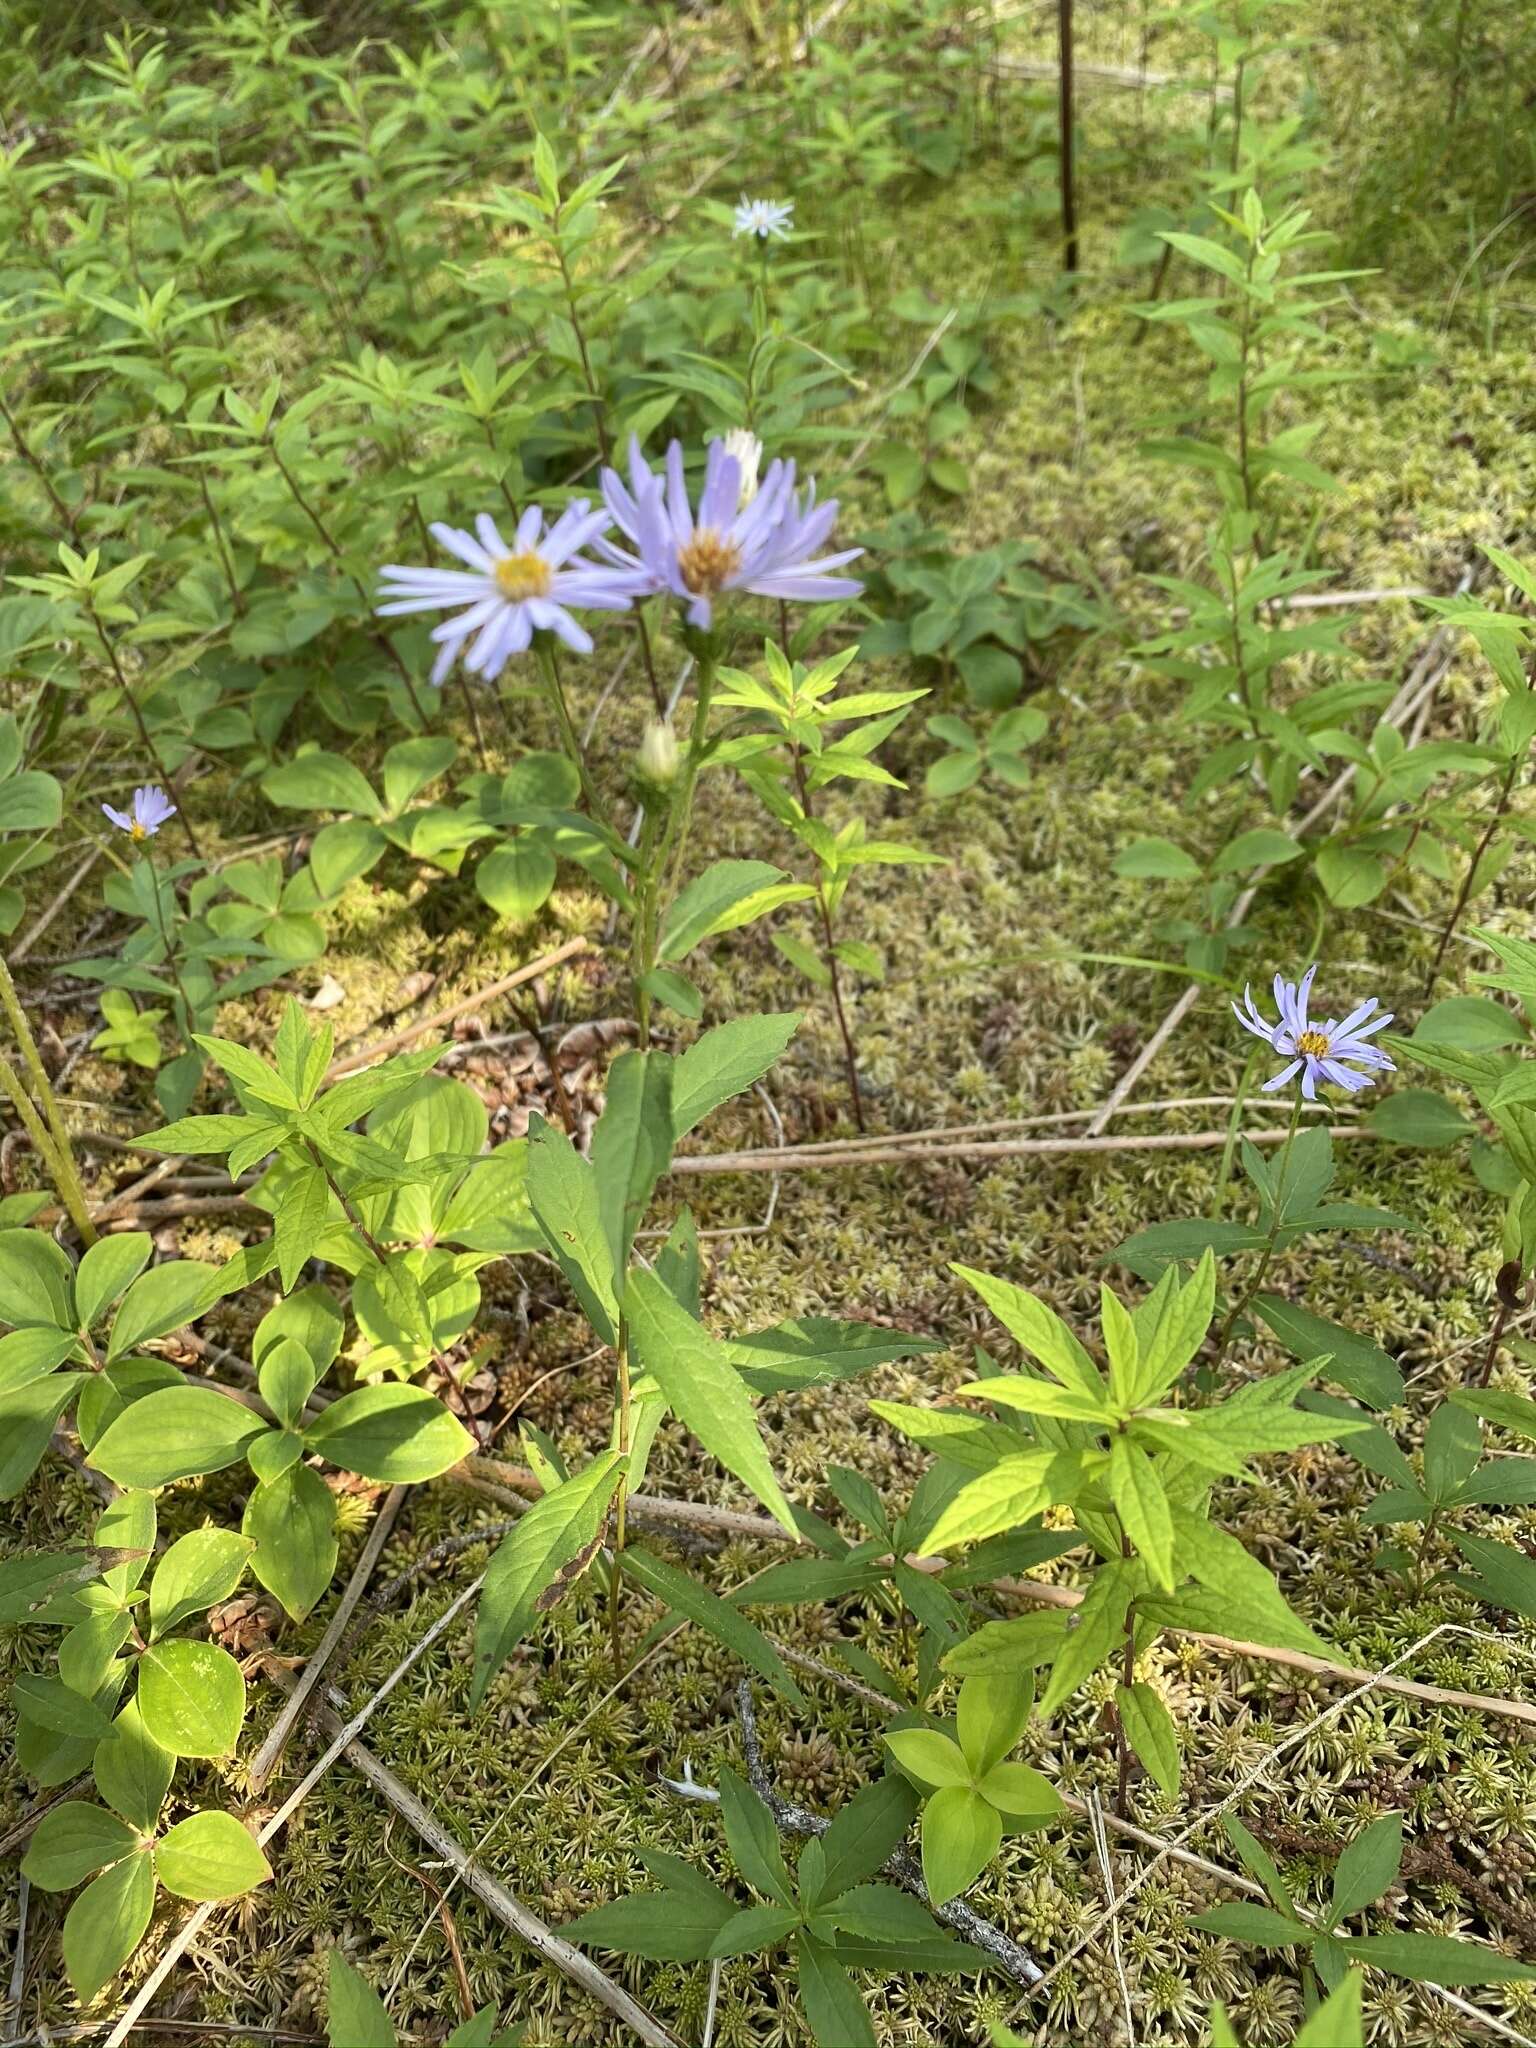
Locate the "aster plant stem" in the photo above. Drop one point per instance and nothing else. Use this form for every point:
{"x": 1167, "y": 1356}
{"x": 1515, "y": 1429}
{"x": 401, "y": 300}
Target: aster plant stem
{"x": 53, "y": 1142}
{"x": 1267, "y": 1254}
{"x": 189, "y": 1015}
{"x": 380, "y": 640}
{"x": 38, "y": 468}
{"x": 1127, "y": 1680}
{"x": 544, "y": 648}
{"x": 47, "y": 1151}
{"x": 620, "y": 1505}
{"x": 647, "y": 881}
{"x": 145, "y": 738}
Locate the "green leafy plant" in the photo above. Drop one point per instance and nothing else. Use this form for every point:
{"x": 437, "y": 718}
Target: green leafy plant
{"x": 789, "y": 756}
{"x": 973, "y": 1795}
{"x": 987, "y": 617}
{"x": 1136, "y": 1472}
{"x": 1367, "y": 1867}
{"x": 356, "y": 2016}
{"x": 588, "y": 1211}
{"x": 187, "y": 1700}
{"x": 833, "y": 1917}
{"x": 999, "y": 751}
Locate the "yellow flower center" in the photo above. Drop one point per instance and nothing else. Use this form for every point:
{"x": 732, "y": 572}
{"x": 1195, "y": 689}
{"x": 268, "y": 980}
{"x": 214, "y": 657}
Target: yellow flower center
{"x": 707, "y": 560}
{"x": 520, "y": 576}
{"x": 136, "y": 831}
{"x": 1314, "y": 1042}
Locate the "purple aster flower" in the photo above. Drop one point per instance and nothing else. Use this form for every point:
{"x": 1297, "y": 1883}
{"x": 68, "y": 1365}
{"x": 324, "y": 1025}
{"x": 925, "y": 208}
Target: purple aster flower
{"x": 767, "y": 545}
{"x": 510, "y": 593}
{"x": 151, "y": 808}
{"x": 1318, "y": 1052}
{"x": 764, "y": 218}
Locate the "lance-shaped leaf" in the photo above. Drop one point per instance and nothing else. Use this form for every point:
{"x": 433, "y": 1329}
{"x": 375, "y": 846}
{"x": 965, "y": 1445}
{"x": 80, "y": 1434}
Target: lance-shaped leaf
{"x": 567, "y": 1206}
{"x": 725, "y": 1061}
{"x": 696, "y": 1603}
{"x": 632, "y": 1145}
{"x": 702, "y": 1386}
{"x": 1041, "y": 1332}
{"x": 560, "y": 1527}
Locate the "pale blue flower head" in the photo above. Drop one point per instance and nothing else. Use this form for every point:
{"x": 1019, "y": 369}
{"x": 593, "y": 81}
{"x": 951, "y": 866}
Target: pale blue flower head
{"x": 767, "y": 546}
{"x": 1318, "y": 1052}
{"x": 509, "y": 592}
{"x": 150, "y": 809}
{"x": 768, "y": 219}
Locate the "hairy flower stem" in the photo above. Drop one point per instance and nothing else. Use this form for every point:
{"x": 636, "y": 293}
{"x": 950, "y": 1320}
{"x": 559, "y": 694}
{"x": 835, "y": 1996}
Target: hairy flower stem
{"x": 1266, "y": 1256}
{"x": 162, "y": 773}
{"x": 647, "y": 884}
{"x": 674, "y": 842}
{"x": 59, "y": 1172}
{"x": 170, "y": 958}
{"x": 648, "y": 656}
{"x": 53, "y": 1143}
{"x": 1127, "y": 1679}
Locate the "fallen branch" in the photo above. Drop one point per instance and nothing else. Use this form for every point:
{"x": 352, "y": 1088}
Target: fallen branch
{"x": 441, "y": 1018}
{"x": 759, "y": 1528}
{"x": 517, "y": 1918}
{"x": 30, "y": 938}
{"x": 795, "y": 1158}
{"x": 790, "y": 1159}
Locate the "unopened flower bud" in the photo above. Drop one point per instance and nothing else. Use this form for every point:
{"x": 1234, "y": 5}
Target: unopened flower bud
{"x": 658, "y": 758}
{"x": 748, "y": 451}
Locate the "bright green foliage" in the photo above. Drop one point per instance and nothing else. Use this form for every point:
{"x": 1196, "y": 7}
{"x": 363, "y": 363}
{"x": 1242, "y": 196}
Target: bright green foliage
{"x": 999, "y": 751}
{"x": 1136, "y": 1470}
{"x": 588, "y": 1211}
{"x": 1290, "y": 1205}
{"x": 984, "y": 616}
{"x": 830, "y": 1912}
{"x": 356, "y": 2018}
{"x": 1366, "y": 1868}
{"x": 973, "y": 1796}
{"x": 789, "y": 754}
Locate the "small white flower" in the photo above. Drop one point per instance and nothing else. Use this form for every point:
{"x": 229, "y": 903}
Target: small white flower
{"x": 748, "y": 451}
{"x": 765, "y": 218}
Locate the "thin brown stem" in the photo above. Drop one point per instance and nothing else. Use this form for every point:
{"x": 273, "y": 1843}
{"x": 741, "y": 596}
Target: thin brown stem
{"x": 37, "y": 467}
{"x": 1506, "y": 791}
{"x": 381, "y": 640}
{"x": 829, "y": 956}
{"x": 162, "y": 773}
